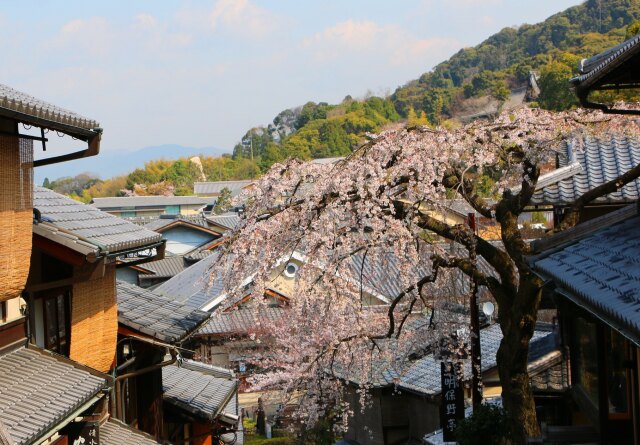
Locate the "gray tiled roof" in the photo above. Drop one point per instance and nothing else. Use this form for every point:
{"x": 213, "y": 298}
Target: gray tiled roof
{"x": 16, "y": 101}
{"x": 194, "y": 257}
{"x": 193, "y": 286}
{"x": 424, "y": 375}
{"x": 230, "y": 220}
{"x": 114, "y": 432}
{"x": 208, "y": 188}
{"x": 201, "y": 389}
{"x": 602, "y": 160}
{"x": 239, "y": 321}
{"x": 157, "y": 224}
{"x": 149, "y": 313}
{"x": 598, "y": 66}
{"x": 601, "y": 272}
{"x": 88, "y": 224}
{"x": 164, "y": 268}
{"x": 38, "y": 390}
{"x": 380, "y": 273}
{"x": 146, "y": 201}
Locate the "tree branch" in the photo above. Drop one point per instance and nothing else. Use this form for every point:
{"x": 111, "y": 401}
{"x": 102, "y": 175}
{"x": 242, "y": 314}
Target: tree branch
{"x": 572, "y": 214}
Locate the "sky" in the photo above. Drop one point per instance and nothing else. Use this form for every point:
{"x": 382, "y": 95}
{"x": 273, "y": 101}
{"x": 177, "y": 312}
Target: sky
{"x": 201, "y": 73}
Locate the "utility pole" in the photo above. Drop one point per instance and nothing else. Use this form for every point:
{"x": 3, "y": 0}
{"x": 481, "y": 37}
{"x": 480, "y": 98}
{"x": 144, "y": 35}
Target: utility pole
{"x": 476, "y": 360}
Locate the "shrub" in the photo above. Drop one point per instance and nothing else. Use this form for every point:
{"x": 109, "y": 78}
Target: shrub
{"x": 488, "y": 425}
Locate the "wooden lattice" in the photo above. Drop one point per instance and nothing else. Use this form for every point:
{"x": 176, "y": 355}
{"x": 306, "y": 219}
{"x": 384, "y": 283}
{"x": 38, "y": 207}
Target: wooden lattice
{"x": 94, "y": 322}
{"x": 16, "y": 214}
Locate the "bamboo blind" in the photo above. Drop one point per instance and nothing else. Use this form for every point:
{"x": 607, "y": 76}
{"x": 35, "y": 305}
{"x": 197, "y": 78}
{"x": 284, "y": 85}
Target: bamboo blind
{"x": 94, "y": 321}
{"x": 16, "y": 213}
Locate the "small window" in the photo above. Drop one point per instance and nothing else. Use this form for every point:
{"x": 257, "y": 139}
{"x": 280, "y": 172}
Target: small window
{"x": 3, "y": 311}
{"x": 172, "y": 210}
{"x": 128, "y": 214}
{"x": 290, "y": 270}
{"x": 55, "y": 321}
{"x": 618, "y": 376}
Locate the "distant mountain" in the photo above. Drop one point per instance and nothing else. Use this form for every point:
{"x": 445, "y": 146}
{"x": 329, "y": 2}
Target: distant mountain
{"x": 472, "y": 82}
{"x": 111, "y": 163}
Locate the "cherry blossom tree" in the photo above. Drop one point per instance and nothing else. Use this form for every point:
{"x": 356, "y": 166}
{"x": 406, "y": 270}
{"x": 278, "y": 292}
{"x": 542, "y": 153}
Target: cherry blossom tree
{"x": 380, "y": 206}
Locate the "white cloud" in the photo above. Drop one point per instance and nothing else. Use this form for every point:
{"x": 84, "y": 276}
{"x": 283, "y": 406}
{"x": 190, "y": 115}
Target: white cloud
{"x": 389, "y": 43}
{"x": 145, "y": 22}
{"x": 92, "y": 35}
{"x": 243, "y": 17}
{"x": 354, "y": 35}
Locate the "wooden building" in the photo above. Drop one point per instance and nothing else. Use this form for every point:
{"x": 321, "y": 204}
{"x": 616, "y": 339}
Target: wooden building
{"x": 172, "y": 398}
{"x": 592, "y": 273}
{"x": 405, "y": 400}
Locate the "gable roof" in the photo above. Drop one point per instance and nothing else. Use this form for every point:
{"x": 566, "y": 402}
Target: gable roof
{"x": 150, "y": 313}
{"x": 215, "y": 187}
{"x": 83, "y": 227}
{"x": 203, "y": 390}
{"x": 600, "y": 271}
{"x": 112, "y": 203}
{"x": 602, "y": 159}
{"x": 40, "y": 392}
{"x": 160, "y": 224}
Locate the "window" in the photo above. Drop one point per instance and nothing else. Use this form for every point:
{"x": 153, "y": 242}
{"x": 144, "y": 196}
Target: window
{"x": 585, "y": 358}
{"x": 3, "y": 311}
{"x": 618, "y": 358}
{"x": 55, "y": 312}
{"x": 128, "y": 214}
{"x": 172, "y": 210}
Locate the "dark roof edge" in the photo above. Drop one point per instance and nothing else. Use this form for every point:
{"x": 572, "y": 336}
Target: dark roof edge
{"x": 546, "y": 246}
{"x": 596, "y": 312}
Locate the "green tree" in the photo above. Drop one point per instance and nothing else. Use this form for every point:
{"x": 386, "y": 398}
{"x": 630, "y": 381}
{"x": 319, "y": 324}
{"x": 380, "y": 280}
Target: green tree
{"x": 46, "y": 183}
{"x": 555, "y": 92}
{"x": 223, "y": 203}
{"x": 632, "y": 30}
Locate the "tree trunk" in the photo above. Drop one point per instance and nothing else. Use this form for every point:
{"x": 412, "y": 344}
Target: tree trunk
{"x": 517, "y": 329}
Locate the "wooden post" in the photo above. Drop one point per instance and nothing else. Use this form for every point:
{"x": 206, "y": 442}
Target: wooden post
{"x": 476, "y": 360}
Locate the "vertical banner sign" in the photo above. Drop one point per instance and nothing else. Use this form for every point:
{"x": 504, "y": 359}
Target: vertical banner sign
{"x": 452, "y": 405}
{"x": 84, "y": 433}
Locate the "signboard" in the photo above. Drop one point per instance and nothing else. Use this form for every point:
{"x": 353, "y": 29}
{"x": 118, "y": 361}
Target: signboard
{"x": 452, "y": 404}
{"x": 84, "y": 433}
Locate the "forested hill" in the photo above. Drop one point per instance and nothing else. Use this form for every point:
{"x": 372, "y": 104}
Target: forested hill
{"x": 490, "y": 71}
{"x": 460, "y": 86}
{"x": 552, "y": 48}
